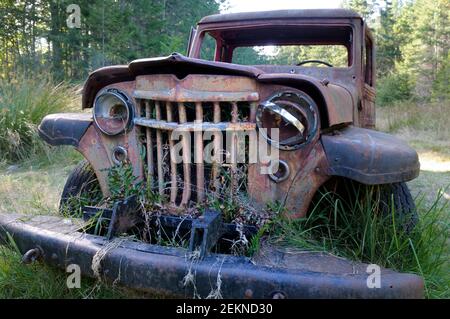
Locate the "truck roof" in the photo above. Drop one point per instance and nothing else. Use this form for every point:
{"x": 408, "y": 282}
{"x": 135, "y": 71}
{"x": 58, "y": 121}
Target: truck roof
{"x": 281, "y": 14}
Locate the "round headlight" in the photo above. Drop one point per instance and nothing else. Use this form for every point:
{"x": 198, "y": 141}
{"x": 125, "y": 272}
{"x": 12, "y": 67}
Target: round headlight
{"x": 112, "y": 112}
{"x": 294, "y": 114}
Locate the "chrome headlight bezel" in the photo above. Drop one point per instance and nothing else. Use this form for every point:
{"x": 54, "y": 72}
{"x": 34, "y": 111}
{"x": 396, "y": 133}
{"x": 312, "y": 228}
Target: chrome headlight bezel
{"x": 297, "y": 110}
{"x": 108, "y": 103}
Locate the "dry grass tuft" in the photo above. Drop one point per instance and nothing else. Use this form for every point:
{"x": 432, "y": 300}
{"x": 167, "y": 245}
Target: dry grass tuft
{"x": 424, "y": 126}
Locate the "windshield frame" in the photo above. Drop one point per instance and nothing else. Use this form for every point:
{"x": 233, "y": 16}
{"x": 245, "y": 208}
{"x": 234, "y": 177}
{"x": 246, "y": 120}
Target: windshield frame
{"x": 226, "y": 55}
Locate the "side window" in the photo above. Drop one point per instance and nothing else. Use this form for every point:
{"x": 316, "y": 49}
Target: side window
{"x": 367, "y": 63}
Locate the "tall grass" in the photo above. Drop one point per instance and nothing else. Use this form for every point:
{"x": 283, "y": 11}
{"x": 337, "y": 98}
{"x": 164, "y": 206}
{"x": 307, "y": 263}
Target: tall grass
{"x": 430, "y": 118}
{"x": 38, "y": 280}
{"x": 355, "y": 230}
{"x": 24, "y": 101}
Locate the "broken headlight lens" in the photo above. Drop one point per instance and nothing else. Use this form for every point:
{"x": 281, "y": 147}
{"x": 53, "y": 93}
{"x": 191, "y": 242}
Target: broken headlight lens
{"x": 294, "y": 114}
{"x": 112, "y": 112}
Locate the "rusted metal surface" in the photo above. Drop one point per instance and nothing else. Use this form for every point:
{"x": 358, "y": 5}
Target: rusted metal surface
{"x": 98, "y": 148}
{"x": 234, "y": 150}
{"x": 149, "y": 146}
{"x": 154, "y": 268}
{"x": 173, "y": 165}
{"x": 120, "y": 74}
{"x": 185, "y": 96}
{"x": 218, "y": 85}
{"x": 337, "y": 105}
{"x": 159, "y": 151}
{"x": 64, "y": 129}
{"x": 192, "y": 126}
{"x": 217, "y": 158}
{"x": 96, "y": 153}
{"x": 124, "y": 216}
{"x": 370, "y": 157}
{"x": 281, "y": 14}
{"x": 186, "y": 157}
{"x": 198, "y": 149}
{"x": 367, "y": 113}
{"x": 308, "y": 167}
{"x": 196, "y": 88}
{"x": 57, "y": 224}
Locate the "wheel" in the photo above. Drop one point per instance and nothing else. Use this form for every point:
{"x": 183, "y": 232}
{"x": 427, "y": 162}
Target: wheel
{"x": 380, "y": 199}
{"x": 398, "y": 197}
{"x": 81, "y": 189}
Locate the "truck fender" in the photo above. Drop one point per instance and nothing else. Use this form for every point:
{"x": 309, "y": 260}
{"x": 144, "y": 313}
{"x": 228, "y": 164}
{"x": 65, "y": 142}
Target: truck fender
{"x": 369, "y": 157}
{"x": 64, "y": 128}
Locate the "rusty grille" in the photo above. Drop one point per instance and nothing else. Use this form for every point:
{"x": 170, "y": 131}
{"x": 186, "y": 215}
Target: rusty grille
{"x": 191, "y": 180}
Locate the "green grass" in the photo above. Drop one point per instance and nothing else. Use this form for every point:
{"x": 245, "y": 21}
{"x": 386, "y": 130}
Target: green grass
{"x": 34, "y": 186}
{"x": 37, "y": 280}
{"x": 23, "y": 103}
{"x": 356, "y": 230}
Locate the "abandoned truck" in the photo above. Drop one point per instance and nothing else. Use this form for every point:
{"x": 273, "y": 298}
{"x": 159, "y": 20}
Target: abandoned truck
{"x": 164, "y": 216}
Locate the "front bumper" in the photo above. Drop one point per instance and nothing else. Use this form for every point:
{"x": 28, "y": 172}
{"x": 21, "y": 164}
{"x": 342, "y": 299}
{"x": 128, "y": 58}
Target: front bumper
{"x": 164, "y": 269}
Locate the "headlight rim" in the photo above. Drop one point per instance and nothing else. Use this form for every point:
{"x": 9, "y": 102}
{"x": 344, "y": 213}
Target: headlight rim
{"x": 126, "y": 102}
{"x": 312, "y": 128}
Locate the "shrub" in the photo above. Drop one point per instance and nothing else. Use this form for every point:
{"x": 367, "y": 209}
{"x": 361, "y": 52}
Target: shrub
{"x": 23, "y": 103}
{"x": 392, "y": 88}
{"x": 440, "y": 88}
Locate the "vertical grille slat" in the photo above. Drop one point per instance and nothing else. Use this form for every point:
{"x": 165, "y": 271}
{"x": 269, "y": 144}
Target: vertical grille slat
{"x": 253, "y": 108}
{"x": 173, "y": 164}
{"x": 186, "y": 157}
{"x": 233, "y": 150}
{"x": 149, "y": 145}
{"x": 159, "y": 151}
{"x": 217, "y": 152}
{"x": 200, "y": 170}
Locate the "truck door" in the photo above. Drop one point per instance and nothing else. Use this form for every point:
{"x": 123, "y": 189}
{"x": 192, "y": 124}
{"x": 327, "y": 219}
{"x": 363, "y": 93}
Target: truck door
{"x": 367, "y": 111}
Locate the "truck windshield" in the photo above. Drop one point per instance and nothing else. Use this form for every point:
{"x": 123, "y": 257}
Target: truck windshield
{"x": 280, "y": 45}
{"x": 335, "y": 55}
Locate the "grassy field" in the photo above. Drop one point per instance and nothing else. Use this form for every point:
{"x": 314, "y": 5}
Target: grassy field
{"x": 33, "y": 185}
{"x": 425, "y": 128}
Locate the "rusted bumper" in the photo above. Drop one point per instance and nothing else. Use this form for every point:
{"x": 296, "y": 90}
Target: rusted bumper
{"x": 166, "y": 270}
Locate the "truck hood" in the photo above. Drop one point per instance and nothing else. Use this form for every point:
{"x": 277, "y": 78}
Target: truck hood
{"x": 174, "y": 64}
